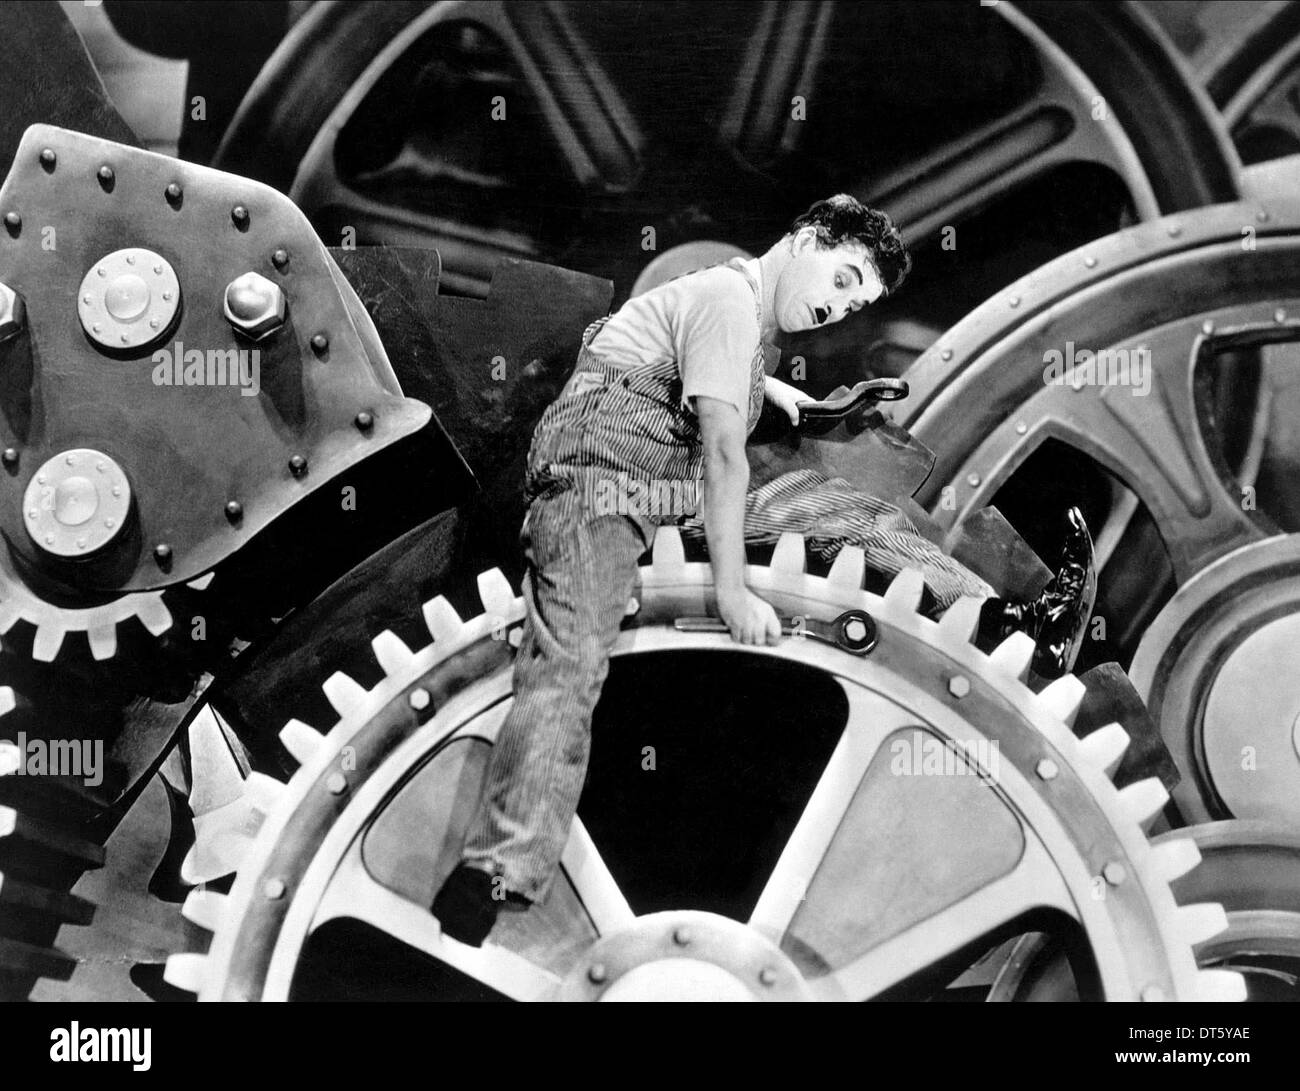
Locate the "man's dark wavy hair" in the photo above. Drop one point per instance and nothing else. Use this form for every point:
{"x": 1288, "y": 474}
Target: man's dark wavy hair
{"x": 842, "y": 218}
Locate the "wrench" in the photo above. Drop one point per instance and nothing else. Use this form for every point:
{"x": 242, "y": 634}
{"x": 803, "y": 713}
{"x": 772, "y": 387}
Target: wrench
{"x": 854, "y": 631}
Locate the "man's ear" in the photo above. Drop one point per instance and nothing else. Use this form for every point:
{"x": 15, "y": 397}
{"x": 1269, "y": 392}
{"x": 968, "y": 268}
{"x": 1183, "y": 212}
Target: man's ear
{"x": 802, "y": 239}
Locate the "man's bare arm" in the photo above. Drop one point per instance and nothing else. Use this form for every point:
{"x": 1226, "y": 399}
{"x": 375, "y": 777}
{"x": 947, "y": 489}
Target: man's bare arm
{"x": 726, "y": 480}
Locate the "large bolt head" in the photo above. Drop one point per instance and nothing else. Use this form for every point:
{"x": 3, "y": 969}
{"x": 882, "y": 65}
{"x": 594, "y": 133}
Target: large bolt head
{"x": 254, "y": 305}
{"x": 13, "y": 312}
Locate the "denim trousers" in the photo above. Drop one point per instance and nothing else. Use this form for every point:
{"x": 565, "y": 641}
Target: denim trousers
{"x": 581, "y": 572}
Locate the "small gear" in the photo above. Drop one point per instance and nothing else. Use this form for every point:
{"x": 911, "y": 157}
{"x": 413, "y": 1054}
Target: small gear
{"x": 344, "y": 839}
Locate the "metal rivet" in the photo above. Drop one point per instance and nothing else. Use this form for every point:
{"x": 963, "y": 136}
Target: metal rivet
{"x": 109, "y": 524}
{"x": 153, "y": 323}
{"x": 337, "y": 784}
{"x": 234, "y": 510}
{"x": 1262, "y": 216}
{"x": 1279, "y": 315}
{"x": 1174, "y": 231}
{"x": 81, "y": 543}
{"x": 681, "y": 935}
{"x": 1153, "y": 994}
{"x": 157, "y": 270}
{"x": 297, "y": 465}
{"x": 162, "y": 552}
{"x": 319, "y": 344}
{"x": 167, "y": 295}
{"x": 10, "y": 456}
{"x": 239, "y": 216}
{"x": 364, "y": 421}
{"x": 596, "y": 973}
{"x": 946, "y": 354}
{"x": 48, "y": 159}
{"x": 101, "y": 272}
{"x": 1207, "y": 327}
{"x": 419, "y": 699}
{"x": 1021, "y": 428}
{"x": 130, "y": 259}
{"x": 1114, "y": 873}
{"x": 280, "y": 259}
{"x": 1090, "y": 262}
{"x": 273, "y": 889}
{"x": 97, "y": 327}
{"x": 13, "y": 222}
{"x": 106, "y": 176}
{"x": 1047, "y": 769}
{"x": 1014, "y": 301}
{"x": 173, "y": 193}
{"x": 959, "y": 686}
{"x": 973, "y": 480}
{"x": 767, "y": 976}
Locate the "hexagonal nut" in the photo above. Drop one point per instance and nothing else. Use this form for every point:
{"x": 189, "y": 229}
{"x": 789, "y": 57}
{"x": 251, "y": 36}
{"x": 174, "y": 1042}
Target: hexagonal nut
{"x": 254, "y": 306}
{"x": 13, "y": 312}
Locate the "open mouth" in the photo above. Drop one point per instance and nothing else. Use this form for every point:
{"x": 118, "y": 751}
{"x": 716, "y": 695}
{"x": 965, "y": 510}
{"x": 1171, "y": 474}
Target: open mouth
{"x": 819, "y": 315}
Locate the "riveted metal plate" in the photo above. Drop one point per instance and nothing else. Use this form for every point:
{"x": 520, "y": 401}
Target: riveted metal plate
{"x": 195, "y": 421}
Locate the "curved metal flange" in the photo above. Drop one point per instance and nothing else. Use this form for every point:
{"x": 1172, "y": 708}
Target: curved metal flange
{"x": 301, "y": 861}
{"x": 1213, "y": 669}
{"x": 1101, "y": 349}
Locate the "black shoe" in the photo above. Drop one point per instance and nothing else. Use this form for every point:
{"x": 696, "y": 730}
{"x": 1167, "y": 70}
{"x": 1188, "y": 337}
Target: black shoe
{"x": 1057, "y": 619}
{"x": 465, "y": 907}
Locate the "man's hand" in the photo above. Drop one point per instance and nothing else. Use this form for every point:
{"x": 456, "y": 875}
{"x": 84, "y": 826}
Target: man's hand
{"x": 785, "y": 397}
{"x": 750, "y": 619}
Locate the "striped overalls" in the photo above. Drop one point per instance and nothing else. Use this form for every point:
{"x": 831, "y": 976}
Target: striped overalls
{"x": 612, "y": 458}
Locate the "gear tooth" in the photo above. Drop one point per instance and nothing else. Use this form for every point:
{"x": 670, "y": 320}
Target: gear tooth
{"x": 9, "y": 759}
{"x": 1197, "y": 923}
{"x": 441, "y": 619}
{"x": 49, "y": 639}
{"x": 8, "y": 820}
{"x": 200, "y": 583}
{"x": 849, "y": 568}
{"x": 186, "y": 971}
{"x": 495, "y": 592}
{"x": 1063, "y": 698}
{"x": 300, "y": 740}
{"x": 7, "y": 700}
{"x": 103, "y": 640}
{"x": 345, "y": 694}
{"x": 221, "y": 854}
{"x": 262, "y": 792}
{"x": 1014, "y": 655}
{"x": 206, "y": 908}
{"x": 905, "y": 591}
{"x": 961, "y": 620}
{"x": 1175, "y": 858}
{"x": 1104, "y": 748}
{"x": 1220, "y": 986}
{"x": 790, "y": 556}
{"x": 391, "y": 652}
{"x": 1143, "y": 800}
{"x": 667, "y": 555}
{"x": 8, "y": 616}
{"x": 153, "y": 612}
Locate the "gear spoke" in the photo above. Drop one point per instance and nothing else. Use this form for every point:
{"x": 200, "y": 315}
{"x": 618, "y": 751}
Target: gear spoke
{"x": 871, "y": 719}
{"x": 591, "y": 880}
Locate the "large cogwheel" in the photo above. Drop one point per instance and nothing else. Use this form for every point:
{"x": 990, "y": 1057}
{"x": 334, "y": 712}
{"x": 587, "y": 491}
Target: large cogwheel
{"x": 956, "y": 808}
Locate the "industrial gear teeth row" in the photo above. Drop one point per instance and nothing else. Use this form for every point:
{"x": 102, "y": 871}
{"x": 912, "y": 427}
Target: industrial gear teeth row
{"x": 1074, "y": 843}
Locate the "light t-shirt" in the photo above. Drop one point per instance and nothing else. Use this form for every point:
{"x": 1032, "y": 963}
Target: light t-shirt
{"x": 707, "y": 322}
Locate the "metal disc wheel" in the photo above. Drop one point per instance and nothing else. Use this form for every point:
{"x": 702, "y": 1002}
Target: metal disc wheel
{"x": 885, "y": 881}
{"x": 1214, "y": 669}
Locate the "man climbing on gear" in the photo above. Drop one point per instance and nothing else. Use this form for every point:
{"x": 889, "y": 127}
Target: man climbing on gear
{"x": 665, "y": 392}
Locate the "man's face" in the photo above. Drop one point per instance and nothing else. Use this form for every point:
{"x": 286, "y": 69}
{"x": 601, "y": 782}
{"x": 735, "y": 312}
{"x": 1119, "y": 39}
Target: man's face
{"x": 818, "y": 287}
